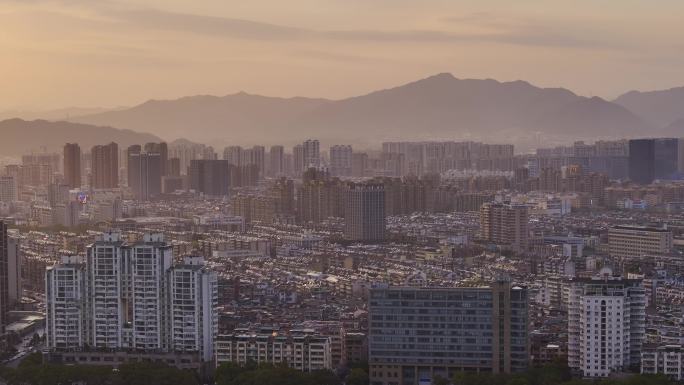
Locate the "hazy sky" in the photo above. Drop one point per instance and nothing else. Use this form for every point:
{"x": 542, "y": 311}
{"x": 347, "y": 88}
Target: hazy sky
{"x": 106, "y": 53}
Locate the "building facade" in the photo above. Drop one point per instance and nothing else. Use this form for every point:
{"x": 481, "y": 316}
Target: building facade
{"x": 365, "y": 213}
{"x": 665, "y": 359}
{"x": 72, "y": 165}
{"x": 606, "y": 324}
{"x": 299, "y": 350}
{"x": 637, "y": 241}
{"x": 341, "y": 160}
{"x": 505, "y": 224}
{"x": 105, "y": 166}
{"x": 131, "y": 296}
{"x": 419, "y": 334}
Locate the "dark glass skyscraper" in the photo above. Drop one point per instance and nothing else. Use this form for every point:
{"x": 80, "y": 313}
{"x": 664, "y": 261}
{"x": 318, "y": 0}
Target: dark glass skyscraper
{"x": 642, "y": 160}
{"x": 651, "y": 159}
{"x": 144, "y": 171}
{"x": 666, "y": 157}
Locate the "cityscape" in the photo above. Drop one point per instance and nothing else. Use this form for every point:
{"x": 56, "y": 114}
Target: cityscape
{"x": 449, "y": 230}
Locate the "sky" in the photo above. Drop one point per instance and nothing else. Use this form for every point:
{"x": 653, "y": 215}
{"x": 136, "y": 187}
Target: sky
{"x": 106, "y": 53}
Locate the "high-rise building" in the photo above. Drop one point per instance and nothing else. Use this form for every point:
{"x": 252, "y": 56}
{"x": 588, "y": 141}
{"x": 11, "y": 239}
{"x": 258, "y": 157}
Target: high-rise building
{"x": 132, "y": 296}
{"x": 638, "y": 241}
{"x": 57, "y": 194}
{"x": 320, "y": 197}
{"x": 173, "y": 167}
{"x": 360, "y": 164}
{"x": 255, "y": 156}
{"x": 606, "y": 324}
{"x": 277, "y": 161}
{"x": 642, "y": 160}
{"x": 233, "y": 154}
{"x": 210, "y": 177}
{"x": 298, "y": 160}
{"x": 550, "y": 179}
{"x": 193, "y": 302}
{"x": 505, "y": 225}
{"x": 365, "y": 213}
{"x": 14, "y": 263}
{"x": 666, "y": 158}
{"x": 419, "y": 334}
{"x": 72, "y": 165}
{"x": 341, "y": 160}
{"x": 8, "y": 189}
{"x": 105, "y": 166}
{"x": 133, "y": 166}
{"x": 311, "y": 153}
{"x": 65, "y": 311}
{"x": 4, "y": 278}
{"x": 144, "y": 173}
{"x": 243, "y": 159}
{"x": 163, "y": 150}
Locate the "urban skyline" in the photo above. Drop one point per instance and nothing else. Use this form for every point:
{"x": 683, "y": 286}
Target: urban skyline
{"x": 341, "y": 192}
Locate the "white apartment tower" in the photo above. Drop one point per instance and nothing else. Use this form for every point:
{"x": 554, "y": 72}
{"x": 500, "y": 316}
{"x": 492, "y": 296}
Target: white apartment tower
{"x": 193, "y": 302}
{"x": 65, "y": 291}
{"x": 606, "y": 324}
{"x": 106, "y": 286}
{"x": 149, "y": 262}
{"x": 131, "y": 296}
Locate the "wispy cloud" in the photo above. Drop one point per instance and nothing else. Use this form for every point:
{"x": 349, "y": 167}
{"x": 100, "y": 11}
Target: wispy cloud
{"x": 530, "y": 34}
{"x": 489, "y": 27}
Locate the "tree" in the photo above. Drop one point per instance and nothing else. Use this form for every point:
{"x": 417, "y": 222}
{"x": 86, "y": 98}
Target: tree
{"x": 439, "y": 380}
{"x": 358, "y": 376}
{"x": 228, "y": 372}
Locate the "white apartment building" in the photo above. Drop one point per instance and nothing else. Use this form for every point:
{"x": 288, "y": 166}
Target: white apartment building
{"x": 193, "y": 303}
{"x": 107, "y": 286}
{"x": 606, "y": 324}
{"x": 149, "y": 262}
{"x": 130, "y": 296}
{"x": 64, "y": 288}
{"x": 300, "y": 350}
{"x": 667, "y": 360}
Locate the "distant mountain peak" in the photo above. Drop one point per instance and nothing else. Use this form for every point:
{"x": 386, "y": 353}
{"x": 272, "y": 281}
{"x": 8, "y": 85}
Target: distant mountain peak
{"x": 659, "y": 107}
{"x": 438, "y": 106}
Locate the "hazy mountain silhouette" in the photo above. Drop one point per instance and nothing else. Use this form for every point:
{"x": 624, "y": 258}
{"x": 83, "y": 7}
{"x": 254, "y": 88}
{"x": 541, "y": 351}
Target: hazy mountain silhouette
{"x": 675, "y": 129}
{"x": 21, "y": 136}
{"x": 209, "y": 118}
{"x": 438, "y": 107}
{"x": 659, "y": 107}
{"x": 56, "y": 115}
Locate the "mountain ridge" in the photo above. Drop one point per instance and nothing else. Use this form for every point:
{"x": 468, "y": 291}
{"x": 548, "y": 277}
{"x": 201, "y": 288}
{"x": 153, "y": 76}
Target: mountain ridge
{"x": 23, "y": 136}
{"x": 440, "y": 106}
{"x": 662, "y": 107}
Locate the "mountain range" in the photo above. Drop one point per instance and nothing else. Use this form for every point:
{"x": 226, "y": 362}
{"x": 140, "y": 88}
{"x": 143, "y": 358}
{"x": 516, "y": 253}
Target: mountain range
{"x": 663, "y": 108}
{"x": 440, "y": 107}
{"x": 21, "y": 137}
